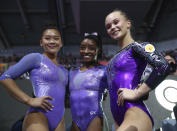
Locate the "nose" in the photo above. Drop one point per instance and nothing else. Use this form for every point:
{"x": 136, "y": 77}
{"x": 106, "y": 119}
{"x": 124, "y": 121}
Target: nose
{"x": 86, "y": 50}
{"x": 52, "y": 41}
{"x": 112, "y": 27}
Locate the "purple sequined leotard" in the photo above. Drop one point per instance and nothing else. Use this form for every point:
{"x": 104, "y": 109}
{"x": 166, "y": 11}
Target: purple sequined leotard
{"x": 47, "y": 79}
{"x": 86, "y": 89}
{"x": 125, "y": 70}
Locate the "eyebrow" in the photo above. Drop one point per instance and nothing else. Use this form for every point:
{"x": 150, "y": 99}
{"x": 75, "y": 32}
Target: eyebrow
{"x": 53, "y": 35}
{"x": 111, "y": 21}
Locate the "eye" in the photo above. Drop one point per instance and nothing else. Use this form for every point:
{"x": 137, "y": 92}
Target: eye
{"x": 47, "y": 38}
{"x": 56, "y": 38}
{"x": 116, "y": 22}
{"x": 92, "y": 48}
{"x": 82, "y": 47}
{"x": 108, "y": 26}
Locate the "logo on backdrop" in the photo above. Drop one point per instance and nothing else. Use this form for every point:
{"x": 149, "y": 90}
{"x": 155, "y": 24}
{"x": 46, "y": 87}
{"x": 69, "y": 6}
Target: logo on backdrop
{"x": 166, "y": 94}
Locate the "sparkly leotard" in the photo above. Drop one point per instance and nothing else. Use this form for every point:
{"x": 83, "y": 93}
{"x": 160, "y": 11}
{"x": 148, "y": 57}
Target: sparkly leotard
{"x": 125, "y": 71}
{"x": 47, "y": 79}
{"x": 86, "y": 89}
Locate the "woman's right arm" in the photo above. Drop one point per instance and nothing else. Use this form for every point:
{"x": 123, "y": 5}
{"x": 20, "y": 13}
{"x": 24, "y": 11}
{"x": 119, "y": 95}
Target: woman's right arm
{"x": 27, "y": 63}
{"x": 11, "y": 87}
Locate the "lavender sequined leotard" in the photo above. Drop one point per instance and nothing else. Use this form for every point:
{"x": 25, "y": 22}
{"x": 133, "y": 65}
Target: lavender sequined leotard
{"x": 86, "y": 89}
{"x": 47, "y": 79}
{"x": 125, "y": 70}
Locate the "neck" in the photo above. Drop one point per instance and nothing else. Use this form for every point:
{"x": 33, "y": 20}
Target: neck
{"x": 125, "y": 41}
{"x": 50, "y": 56}
{"x": 89, "y": 64}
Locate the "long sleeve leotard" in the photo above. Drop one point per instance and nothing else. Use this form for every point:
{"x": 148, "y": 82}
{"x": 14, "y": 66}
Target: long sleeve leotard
{"x": 125, "y": 71}
{"x": 47, "y": 79}
{"x": 86, "y": 90}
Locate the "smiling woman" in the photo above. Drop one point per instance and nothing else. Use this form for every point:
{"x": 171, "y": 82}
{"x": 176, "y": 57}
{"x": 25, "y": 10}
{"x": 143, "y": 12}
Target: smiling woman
{"x": 91, "y": 47}
{"x": 124, "y": 73}
{"x": 51, "y": 41}
{"x": 87, "y": 85}
{"x": 48, "y": 79}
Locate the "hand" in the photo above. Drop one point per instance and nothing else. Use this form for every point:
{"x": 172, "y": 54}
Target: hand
{"x": 126, "y": 94}
{"x": 41, "y": 102}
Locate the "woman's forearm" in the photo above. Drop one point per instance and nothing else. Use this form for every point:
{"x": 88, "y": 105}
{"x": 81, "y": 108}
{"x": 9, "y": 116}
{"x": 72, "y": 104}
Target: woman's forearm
{"x": 11, "y": 87}
{"x": 142, "y": 90}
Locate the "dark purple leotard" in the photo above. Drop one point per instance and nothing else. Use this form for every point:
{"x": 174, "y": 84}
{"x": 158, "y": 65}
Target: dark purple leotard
{"x": 47, "y": 79}
{"x": 125, "y": 70}
{"x": 86, "y": 89}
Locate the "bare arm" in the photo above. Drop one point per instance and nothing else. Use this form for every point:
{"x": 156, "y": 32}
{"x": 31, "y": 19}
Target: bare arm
{"x": 132, "y": 95}
{"x": 12, "y": 88}
{"x": 143, "y": 90}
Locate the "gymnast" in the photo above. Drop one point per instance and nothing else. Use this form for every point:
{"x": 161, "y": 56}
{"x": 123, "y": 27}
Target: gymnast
{"x": 87, "y": 85}
{"x": 48, "y": 78}
{"x": 124, "y": 72}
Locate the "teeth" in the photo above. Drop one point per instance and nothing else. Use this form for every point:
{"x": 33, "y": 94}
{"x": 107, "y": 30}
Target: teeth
{"x": 86, "y": 56}
{"x": 51, "y": 46}
{"x": 115, "y": 32}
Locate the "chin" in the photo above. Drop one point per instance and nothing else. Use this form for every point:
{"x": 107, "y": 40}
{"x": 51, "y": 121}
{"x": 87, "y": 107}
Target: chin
{"x": 52, "y": 52}
{"x": 114, "y": 37}
{"x": 86, "y": 61}
{"x": 118, "y": 37}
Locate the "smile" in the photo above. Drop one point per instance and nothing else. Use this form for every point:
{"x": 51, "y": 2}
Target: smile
{"x": 51, "y": 46}
{"x": 86, "y": 56}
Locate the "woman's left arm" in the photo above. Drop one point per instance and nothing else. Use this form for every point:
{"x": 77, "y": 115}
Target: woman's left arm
{"x": 157, "y": 61}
